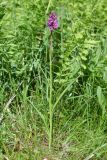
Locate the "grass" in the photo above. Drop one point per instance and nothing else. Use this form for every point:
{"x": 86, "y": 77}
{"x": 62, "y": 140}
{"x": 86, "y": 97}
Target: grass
{"x": 53, "y": 106}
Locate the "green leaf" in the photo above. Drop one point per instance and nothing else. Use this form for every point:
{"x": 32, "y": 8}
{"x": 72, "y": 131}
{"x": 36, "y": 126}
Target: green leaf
{"x": 105, "y": 76}
{"x": 83, "y": 58}
{"x": 101, "y": 99}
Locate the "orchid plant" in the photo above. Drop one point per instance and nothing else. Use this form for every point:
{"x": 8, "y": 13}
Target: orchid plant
{"x": 52, "y": 24}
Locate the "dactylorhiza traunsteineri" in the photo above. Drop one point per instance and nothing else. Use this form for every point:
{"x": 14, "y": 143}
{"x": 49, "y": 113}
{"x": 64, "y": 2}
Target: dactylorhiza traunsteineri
{"x": 52, "y": 24}
{"x": 53, "y": 21}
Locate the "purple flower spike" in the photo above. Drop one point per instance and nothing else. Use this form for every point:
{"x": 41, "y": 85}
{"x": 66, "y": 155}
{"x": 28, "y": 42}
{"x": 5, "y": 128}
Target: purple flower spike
{"x": 53, "y": 21}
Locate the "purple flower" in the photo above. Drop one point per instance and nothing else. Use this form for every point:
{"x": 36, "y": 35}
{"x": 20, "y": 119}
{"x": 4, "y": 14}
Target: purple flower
{"x": 53, "y": 21}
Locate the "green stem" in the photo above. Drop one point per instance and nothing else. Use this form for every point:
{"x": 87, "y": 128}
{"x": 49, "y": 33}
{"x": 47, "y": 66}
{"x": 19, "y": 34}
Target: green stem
{"x": 50, "y": 98}
{"x": 49, "y": 4}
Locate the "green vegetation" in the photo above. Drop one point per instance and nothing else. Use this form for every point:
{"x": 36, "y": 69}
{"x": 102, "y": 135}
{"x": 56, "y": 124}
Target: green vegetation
{"x": 53, "y": 102}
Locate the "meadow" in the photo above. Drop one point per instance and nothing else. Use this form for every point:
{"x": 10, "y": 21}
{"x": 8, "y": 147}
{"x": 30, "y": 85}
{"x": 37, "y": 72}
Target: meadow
{"x": 53, "y": 87}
